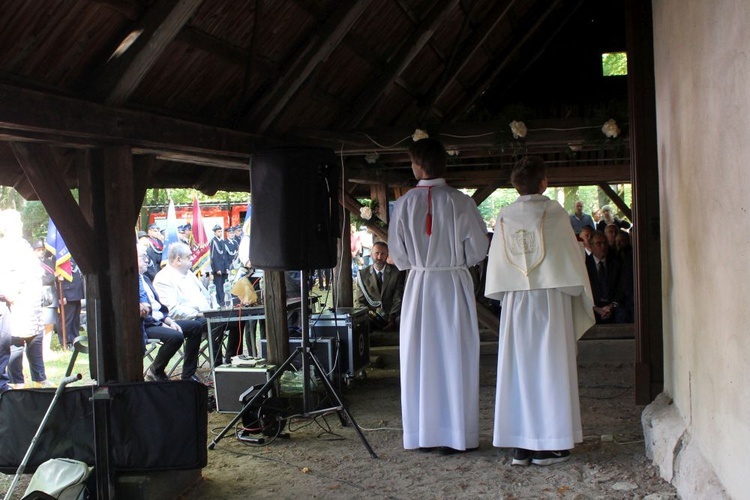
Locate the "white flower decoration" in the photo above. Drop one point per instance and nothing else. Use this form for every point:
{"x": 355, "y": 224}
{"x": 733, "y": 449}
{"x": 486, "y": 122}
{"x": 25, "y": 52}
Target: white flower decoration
{"x": 611, "y": 129}
{"x": 372, "y": 157}
{"x": 365, "y": 213}
{"x": 419, "y": 134}
{"x": 452, "y": 152}
{"x": 519, "y": 129}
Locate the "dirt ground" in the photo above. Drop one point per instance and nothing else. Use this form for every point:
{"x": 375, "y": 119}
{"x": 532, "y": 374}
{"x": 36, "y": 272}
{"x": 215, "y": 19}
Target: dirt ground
{"x": 322, "y": 459}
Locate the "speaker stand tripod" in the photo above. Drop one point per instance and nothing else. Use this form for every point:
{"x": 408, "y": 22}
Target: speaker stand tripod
{"x": 308, "y": 360}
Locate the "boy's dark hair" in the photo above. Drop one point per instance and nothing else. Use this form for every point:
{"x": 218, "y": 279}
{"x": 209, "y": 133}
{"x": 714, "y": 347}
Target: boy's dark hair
{"x": 527, "y": 175}
{"x": 430, "y": 155}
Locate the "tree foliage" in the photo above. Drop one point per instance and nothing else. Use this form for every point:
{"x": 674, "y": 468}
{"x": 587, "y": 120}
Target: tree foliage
{"x": 615, "y": 64}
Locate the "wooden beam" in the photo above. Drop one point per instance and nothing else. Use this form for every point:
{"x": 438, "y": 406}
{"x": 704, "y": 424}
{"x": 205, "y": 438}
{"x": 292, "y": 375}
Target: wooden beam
{"x": 155, "y": 31}
{"x": 40, "y": 116}
{"x": 649, "y": 341}
{"x": 379, "y": 193}
{"x": 42, "y": 168}
{"x": 274, "y": 304}
{"x": 352, "y": 205}
{"x": 417, "y": 40}
{"x": 616, "y": 200}
{"x": 321, "y": 45}
{"x": 220, "y": 48}
{"x": 470, "y": 47}
{"x": 497, "y": 65}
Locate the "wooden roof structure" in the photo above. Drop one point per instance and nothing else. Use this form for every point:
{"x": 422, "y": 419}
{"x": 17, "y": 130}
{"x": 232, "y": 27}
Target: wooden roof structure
{"x": 115, "y": 96}
{"x": 195, "y": 87}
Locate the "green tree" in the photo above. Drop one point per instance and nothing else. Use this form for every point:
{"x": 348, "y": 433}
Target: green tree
{"x": 615, "y": 64}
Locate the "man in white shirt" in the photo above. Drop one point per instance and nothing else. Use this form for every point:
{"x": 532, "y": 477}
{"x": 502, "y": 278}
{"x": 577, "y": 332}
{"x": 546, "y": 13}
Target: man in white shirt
{"x": 182, "y": 292}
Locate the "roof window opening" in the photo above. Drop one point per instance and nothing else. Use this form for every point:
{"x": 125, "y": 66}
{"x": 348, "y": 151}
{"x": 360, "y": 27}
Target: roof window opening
{"x": 614, "y": 63}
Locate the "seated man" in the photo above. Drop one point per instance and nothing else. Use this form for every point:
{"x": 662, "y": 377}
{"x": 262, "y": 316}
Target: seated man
{"x": 159, "y": 325}
{"x": 185, "y": 296}
{"x": 609, "y": 289}
{"x": 380, "y": 288}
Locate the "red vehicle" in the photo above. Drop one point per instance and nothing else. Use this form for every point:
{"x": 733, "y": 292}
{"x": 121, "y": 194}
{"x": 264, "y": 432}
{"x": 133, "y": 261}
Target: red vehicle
{"x": 225, "y": 214}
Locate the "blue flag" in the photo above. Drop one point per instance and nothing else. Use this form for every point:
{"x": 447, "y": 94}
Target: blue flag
{"x": 56, "y": 246}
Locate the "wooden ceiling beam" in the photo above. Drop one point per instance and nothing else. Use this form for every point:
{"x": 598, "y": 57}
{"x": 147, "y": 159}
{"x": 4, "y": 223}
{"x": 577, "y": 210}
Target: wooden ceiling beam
{"x": 497, "y": 65}
{"x": 320, "y": 46}
{"x": 409, "y": 50}
{"x": 469, "y": 48}
{"x": 158, "y": 27}
{"x": 352, "y": 205}
{"x": 40, "y": 116}
{"x": 220, "y": 48}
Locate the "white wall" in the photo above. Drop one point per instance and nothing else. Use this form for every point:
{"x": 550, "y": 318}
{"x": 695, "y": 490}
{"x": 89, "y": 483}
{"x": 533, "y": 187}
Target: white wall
{"x": 702, "y": 60}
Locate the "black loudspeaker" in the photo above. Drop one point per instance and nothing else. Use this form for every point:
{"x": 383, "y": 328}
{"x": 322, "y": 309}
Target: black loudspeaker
{"x": 295, "y": 206}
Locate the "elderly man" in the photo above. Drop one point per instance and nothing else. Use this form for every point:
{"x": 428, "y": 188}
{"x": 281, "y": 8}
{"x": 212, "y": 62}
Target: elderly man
{"x": 579, "y": 220}
{"x": 380, "y": 288}
{"x": 608, "y": 218}
{"x": 585, "y": 237}
{"x": 186, "y": 298}
{"x": 158, "y": 324}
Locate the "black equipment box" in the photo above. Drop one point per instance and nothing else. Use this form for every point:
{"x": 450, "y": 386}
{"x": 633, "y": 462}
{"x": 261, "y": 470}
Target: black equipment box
{"x": 351, "y": 328}
{"x": 232, "y": 381}
{"x": 324, "y": 349}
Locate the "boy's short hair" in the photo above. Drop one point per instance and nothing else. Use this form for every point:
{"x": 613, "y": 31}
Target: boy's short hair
{"x": 528, "y": 174}
{"x": 430, "y": 155}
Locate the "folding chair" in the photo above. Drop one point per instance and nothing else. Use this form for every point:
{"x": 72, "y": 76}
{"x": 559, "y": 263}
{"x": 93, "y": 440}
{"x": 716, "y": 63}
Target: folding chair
{"x": 151, "y": 346}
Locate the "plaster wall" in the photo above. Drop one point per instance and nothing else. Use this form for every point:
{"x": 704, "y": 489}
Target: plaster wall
{"x": 702, "y": 64}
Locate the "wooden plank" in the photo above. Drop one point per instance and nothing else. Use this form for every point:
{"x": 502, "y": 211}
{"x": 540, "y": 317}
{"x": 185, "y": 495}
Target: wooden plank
{"x": 645, "y": 173}
{"x": 410, "y": 49}
{"x": 319, "y": 48}
{"x": 158, "y": 27}
{"x": 619, "y": 202}
{"x": 274, "y": 304}
{"x": 352, "y": 205}
{"x": 379, "y": 193}
{"x": 469, "y": 49}
{"x": 41, "y": 165}
{"x": 53, "y": 118}
{"x": 497, "y": 65}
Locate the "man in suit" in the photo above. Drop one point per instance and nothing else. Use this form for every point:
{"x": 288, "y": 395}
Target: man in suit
{"x": 158, "y": 324}
{"x": 219, "y": 262}
{"x": 380, "y": 288}
{"x": 609, "y": 289}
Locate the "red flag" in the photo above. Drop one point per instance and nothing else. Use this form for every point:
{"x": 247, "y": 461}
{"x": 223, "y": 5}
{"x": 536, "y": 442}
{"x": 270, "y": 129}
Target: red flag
{"x": 56, "y": 246}
{"x": 200, "y": 251}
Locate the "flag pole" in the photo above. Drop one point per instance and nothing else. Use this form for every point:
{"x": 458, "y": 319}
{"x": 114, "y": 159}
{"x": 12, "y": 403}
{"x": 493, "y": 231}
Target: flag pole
{"x": 61, "y": 302}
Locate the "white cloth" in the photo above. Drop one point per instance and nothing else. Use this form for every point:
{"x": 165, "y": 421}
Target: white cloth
{"x": 183, "y": 294}
{"x": 537, "y": 269}
{"x": 535, "y": 248}
{"x": 439, "y": 339}
{"x": 21, "y": 283}
{"x": 536, "y": 402}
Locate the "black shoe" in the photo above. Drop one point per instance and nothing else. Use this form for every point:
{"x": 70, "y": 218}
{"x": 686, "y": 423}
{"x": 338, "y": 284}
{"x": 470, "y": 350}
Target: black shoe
{"x": 153, "y": 376}
{"x": 521, "y": 456}
{"x": 445, "y": 450}
{"x": 550, "y": 457}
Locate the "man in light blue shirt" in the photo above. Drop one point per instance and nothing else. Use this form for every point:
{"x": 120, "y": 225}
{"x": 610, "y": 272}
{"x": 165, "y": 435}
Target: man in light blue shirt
{"x": 578, "y": 219}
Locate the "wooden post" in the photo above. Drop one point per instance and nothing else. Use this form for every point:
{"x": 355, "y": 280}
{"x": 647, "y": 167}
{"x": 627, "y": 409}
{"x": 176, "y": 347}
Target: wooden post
{"x": 274, "y": 303}
{"x": 342, "y": 274}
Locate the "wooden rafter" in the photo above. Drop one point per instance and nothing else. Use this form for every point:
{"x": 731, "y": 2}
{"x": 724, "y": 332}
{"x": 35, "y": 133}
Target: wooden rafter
{"x": 41, "y": 166}
{"x": 159, "y": 26}
{"x": 419, "y": 37}
{"x": 317, "y": 50}
{"x": 619, "y": 202}
{"x": 26, "y": 114}
{"x": 352, "y": 205}
{"x": 497, "y": 65}
{"x": 469, "y": 48}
